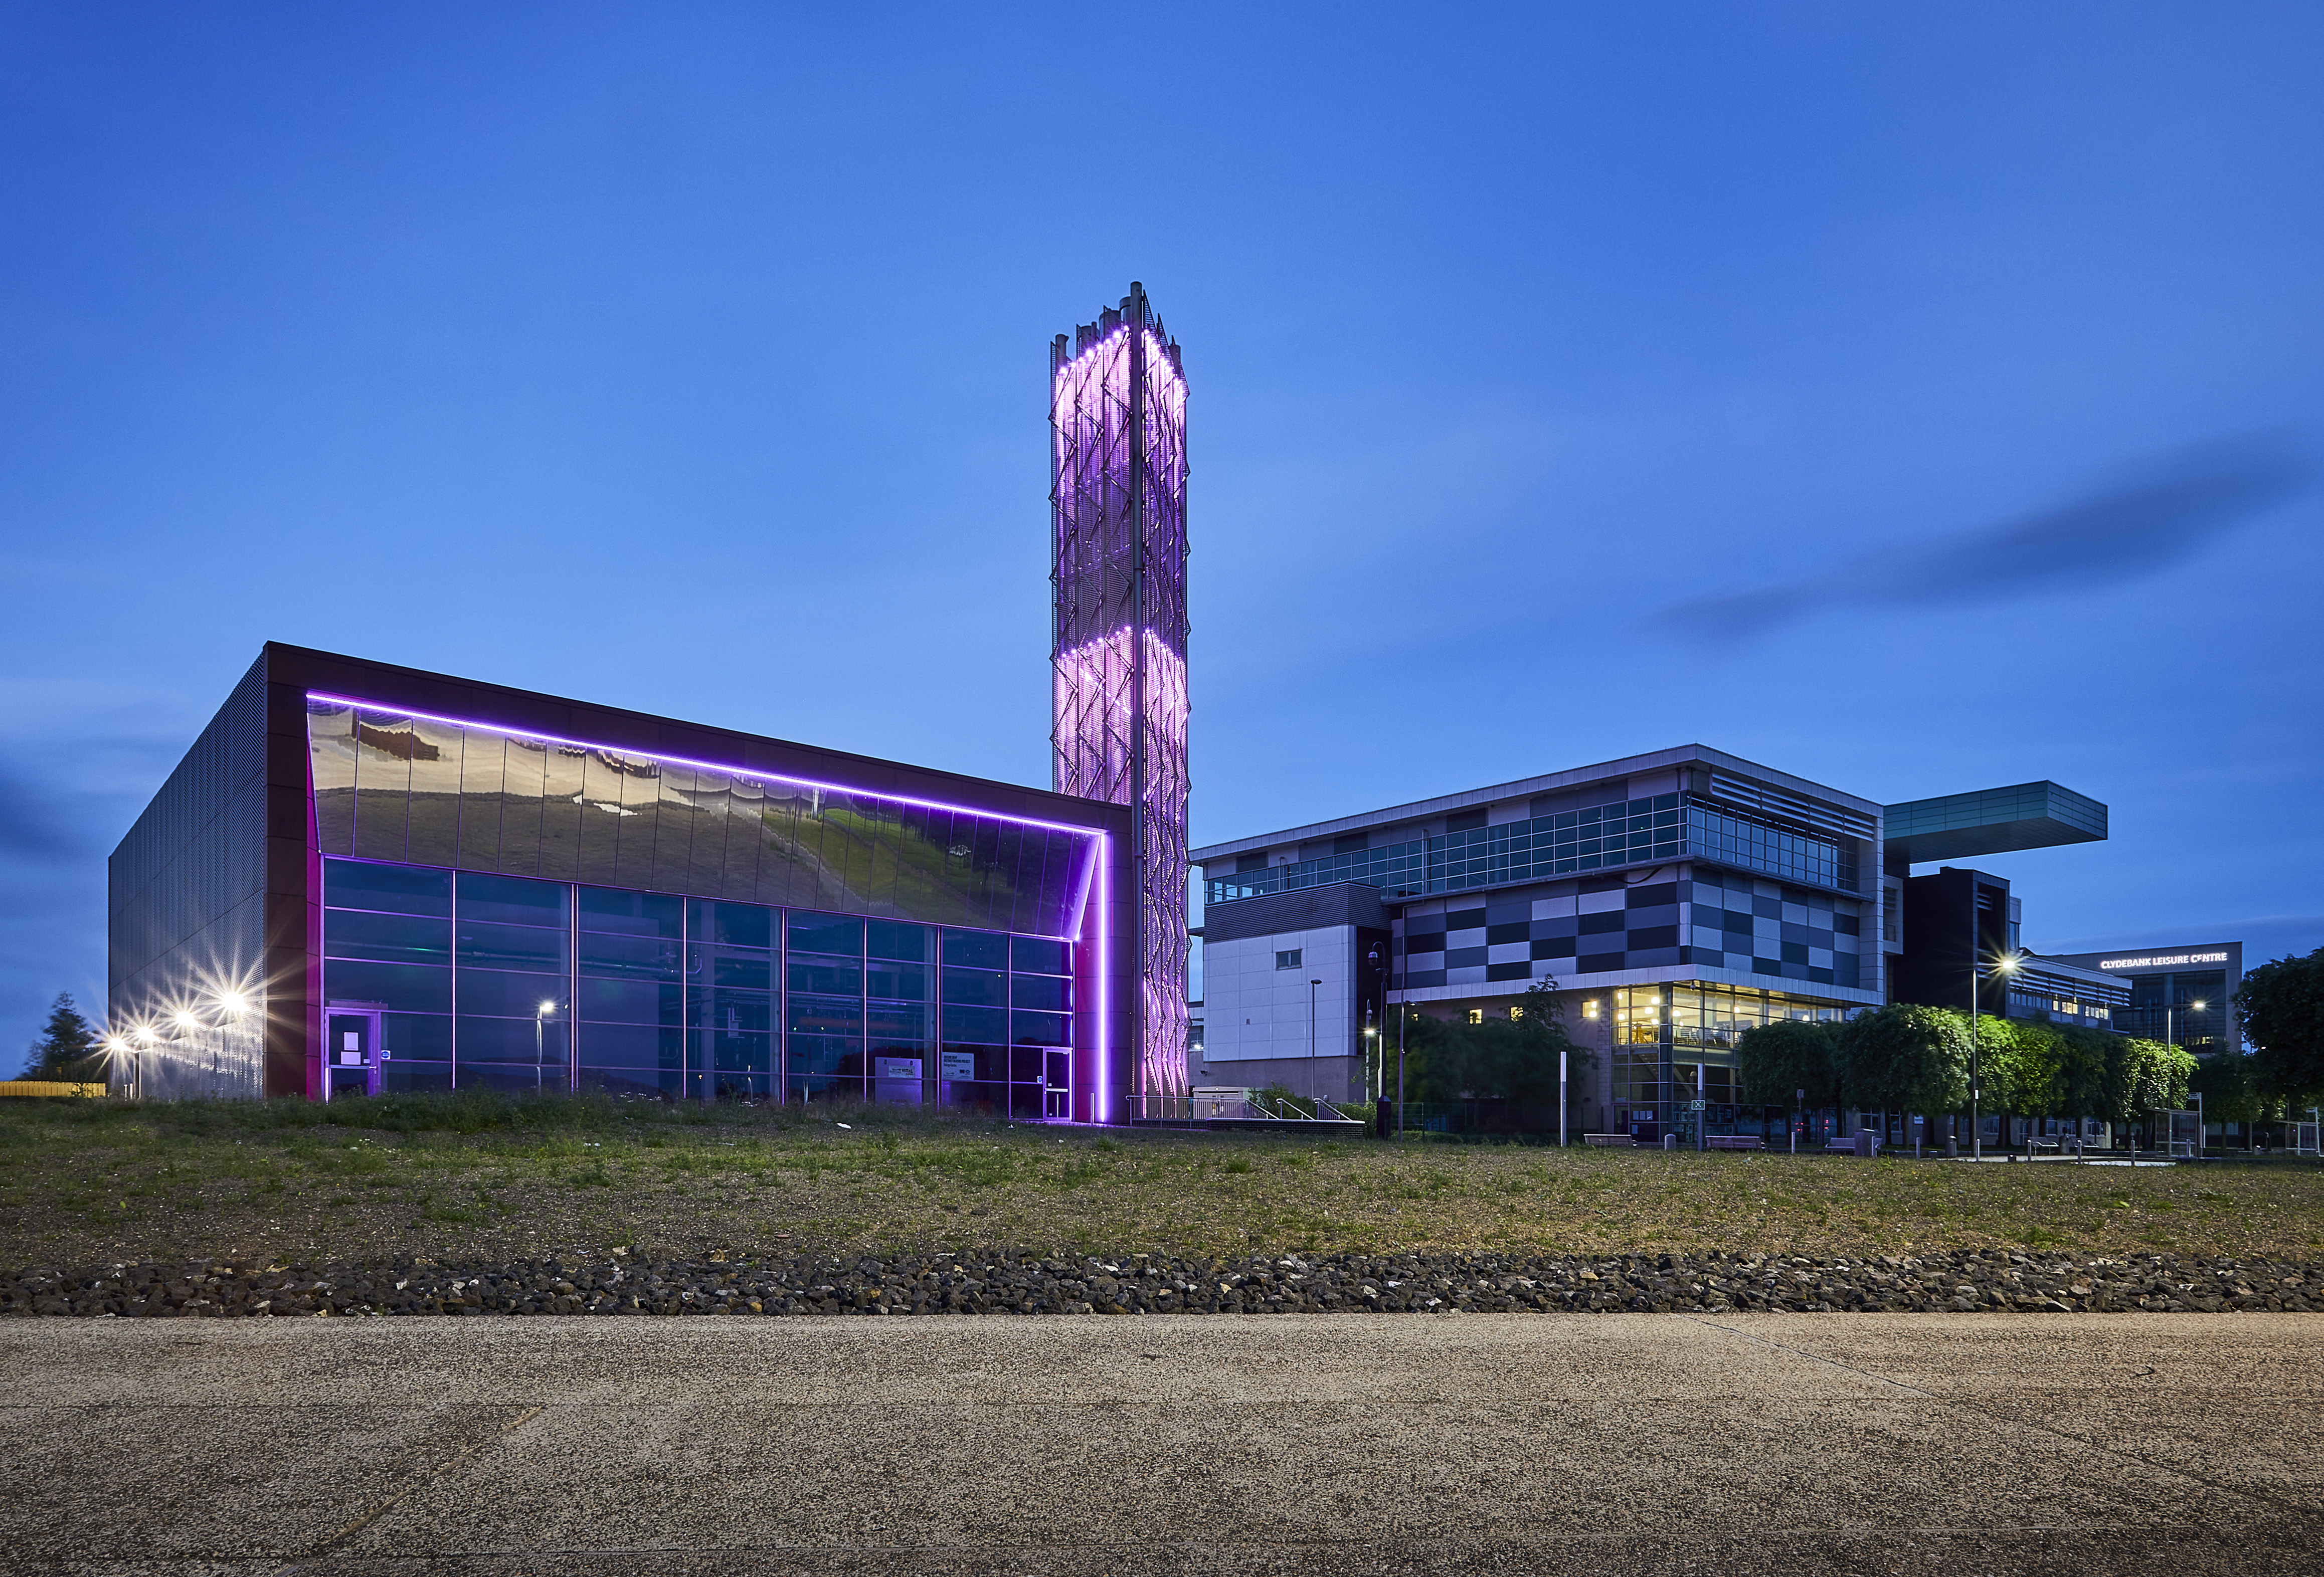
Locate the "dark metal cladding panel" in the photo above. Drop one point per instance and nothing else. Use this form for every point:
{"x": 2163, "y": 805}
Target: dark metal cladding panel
{"x": 186, "y": 900}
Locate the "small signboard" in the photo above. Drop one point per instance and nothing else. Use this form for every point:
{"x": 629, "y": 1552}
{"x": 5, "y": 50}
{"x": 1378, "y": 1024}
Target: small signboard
{"x": 960, "y": 1064}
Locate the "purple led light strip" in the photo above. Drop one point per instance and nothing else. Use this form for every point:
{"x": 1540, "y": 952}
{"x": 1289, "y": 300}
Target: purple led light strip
{"x": 1101, "y": 851}
{"x": 755, "y": 774}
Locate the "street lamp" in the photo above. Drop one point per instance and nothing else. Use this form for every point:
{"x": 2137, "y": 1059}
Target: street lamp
{"x": 1313, "y": 1090}
{"x": 2169, "y": 1036}
{"x": 2006, "y": 963}
{"x": 1403, "y": 1017}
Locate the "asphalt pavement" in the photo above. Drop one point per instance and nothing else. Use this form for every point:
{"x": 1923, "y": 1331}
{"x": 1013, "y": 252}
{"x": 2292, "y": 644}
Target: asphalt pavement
{"x": 1221, "y": 1445}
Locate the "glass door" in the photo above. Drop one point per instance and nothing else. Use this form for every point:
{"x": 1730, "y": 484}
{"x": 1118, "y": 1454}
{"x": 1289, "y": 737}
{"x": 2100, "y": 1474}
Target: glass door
{"x": 351, "y": 1052}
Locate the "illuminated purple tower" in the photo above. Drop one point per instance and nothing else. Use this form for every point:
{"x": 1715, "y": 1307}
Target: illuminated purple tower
{"x": 1118, "y": 512}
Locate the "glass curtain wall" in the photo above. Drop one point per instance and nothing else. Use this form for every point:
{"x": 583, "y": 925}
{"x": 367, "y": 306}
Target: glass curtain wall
{"x": 513, "y": 959}
{"x": 628, "y": 995}
{"x": 507, "y": 983}
{"x": 1668, "y": 826}
{"x": 387, "y": 941}
{"x": 1702, "y": 1024}
{"x": 428, "y": 791}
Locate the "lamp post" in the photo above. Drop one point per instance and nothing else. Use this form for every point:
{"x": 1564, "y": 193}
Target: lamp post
{"x": 2004, "y": 964}
{"x": 2170, "y": 1036}
{"x": 1314, "y": 1090}
{"x": 1403, "y": 1016}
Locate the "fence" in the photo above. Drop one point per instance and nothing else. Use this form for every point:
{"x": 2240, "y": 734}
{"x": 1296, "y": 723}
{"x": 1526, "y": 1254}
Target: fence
{"x": 1225, "y": 1106}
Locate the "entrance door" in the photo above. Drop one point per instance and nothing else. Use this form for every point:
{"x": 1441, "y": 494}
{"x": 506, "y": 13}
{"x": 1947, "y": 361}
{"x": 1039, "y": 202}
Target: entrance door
{"x": 350, "y": 1054}
{"x": 1057, "y": 1085}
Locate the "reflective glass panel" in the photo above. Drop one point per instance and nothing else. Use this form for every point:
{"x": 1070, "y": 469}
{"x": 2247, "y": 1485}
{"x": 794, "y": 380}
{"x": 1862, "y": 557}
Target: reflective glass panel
{"x": 628, "y": 1002}
{"x": 909, "y": 981}
{"x": 502, "y": 994}
{"x": 716, "y": 1008}
{"x": 976, "y": 1024}
{"x": 405, "y": 890}
{"x": 730, "y": 1053}
{"x": 893, "y": 939}
{"x": 490, "y": 947}
{"x": 812, "y": 1015}
{"x": 512, "y": 899}
{"x": 390, "y": 938}
{"x": 403, "y": 987}
{"x": 1046, "y": 992}
{"x": 1039, "y": 956}
{"x": 978, "y": 988}
{"x": 824, "y": 976}
{"x": 818, "y": 933}
{"x": 514, "y": 1040}
{"x": 1041, "y": 1029}
{"x": 732, "y": 966}
{"x": 416, "y": 1037}
{"x": 732, "y": 925}
{"x": 613, "y": 910}
{"x": 976, "y": 949}
{"x": 627, "y": 957}
{"x": 402, "y": 1076}
{"x": 900, "y": 1025}
{"x": 630, "y": 1046}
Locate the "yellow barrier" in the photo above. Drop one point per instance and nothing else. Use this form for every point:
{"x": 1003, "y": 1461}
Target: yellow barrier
{"x": 46, "y": 1087}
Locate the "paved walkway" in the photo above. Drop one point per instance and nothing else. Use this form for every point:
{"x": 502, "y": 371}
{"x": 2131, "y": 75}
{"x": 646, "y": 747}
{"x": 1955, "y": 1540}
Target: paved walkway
{"x": 1341, "y": 1443}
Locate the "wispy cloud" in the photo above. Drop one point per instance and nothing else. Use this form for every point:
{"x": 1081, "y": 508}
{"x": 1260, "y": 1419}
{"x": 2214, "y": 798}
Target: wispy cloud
{"x": 2144, "y": 523}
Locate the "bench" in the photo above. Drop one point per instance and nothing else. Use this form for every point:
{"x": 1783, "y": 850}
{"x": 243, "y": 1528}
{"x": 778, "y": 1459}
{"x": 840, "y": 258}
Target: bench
{"x": 1620, "y": 1141}
{"x": 1734, "y": 1141}
{"x": 1840, "y": 1147}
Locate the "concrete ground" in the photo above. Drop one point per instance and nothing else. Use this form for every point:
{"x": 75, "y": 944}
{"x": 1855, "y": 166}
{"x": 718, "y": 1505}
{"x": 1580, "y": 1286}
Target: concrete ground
{"x": 1341, "y": 1443}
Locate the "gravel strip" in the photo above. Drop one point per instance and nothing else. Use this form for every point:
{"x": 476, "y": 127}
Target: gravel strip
{"x": 1984, "y": 1281}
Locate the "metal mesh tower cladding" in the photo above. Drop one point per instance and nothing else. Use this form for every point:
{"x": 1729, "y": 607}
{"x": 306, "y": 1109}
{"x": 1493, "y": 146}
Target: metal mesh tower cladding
{"x": 1118, "y": 516}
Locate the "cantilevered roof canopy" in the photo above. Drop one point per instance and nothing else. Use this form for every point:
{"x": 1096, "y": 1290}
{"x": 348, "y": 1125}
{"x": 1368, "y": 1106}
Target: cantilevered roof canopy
{"x": 1993, "y": 821}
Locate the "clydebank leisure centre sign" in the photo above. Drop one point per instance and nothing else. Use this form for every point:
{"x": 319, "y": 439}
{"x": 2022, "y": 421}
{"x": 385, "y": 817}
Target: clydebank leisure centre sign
{"x": 2163, "y": 961}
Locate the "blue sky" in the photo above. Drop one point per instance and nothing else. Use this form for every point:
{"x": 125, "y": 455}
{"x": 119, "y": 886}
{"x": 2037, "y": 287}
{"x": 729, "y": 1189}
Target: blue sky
{"x": 1917, "y": 399}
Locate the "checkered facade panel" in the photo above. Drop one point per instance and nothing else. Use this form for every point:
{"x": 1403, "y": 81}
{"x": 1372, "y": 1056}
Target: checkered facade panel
{"x": 1704, "y": 919}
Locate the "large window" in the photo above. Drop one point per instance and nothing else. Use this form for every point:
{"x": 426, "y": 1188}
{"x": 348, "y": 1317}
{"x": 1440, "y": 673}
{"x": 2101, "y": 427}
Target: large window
{"x": 510, "y": 983}
{"x": 428, "y": 791}
{"x": 1701, "y": 1024}
{"x": 1667, "y": 827}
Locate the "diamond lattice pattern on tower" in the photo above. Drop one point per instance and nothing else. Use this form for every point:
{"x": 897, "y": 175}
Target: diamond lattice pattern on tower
{"x": 1118, "y": 498}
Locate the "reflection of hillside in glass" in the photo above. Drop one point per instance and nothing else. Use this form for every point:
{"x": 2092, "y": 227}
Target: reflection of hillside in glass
{"x": 425, "y": 791}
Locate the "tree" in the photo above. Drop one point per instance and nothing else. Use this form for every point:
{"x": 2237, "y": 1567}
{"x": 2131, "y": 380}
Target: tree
{"x": 2280, "y": 1007}
{"x": 2017, "y": 1067}
{"x": 67, "y": 1044}
{"x": 2144, "y": 1076}
{"x": 2083, "y": 1058}
{"x": 1905, "y": 1057}
{"x": 1500, "y": 1059}
{"x": 2229, "y": 1087}
{"x": 1773, "y": 1062}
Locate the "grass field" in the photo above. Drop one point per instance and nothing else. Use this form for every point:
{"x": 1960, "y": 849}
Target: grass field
{"x": 95, "y": 1182}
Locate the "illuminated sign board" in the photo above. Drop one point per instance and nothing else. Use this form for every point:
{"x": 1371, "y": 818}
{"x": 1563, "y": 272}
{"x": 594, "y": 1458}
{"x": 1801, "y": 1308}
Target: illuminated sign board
{"x": 2163, "y": 961}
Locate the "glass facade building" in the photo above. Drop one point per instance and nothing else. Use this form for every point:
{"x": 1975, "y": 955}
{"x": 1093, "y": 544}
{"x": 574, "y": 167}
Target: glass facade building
{"x": 453, "y": 885}
{"x": 1671, "y": 899}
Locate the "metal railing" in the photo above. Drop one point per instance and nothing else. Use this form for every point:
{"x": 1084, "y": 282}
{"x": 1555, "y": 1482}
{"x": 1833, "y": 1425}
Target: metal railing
{"x": 1233, "y": 1106}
